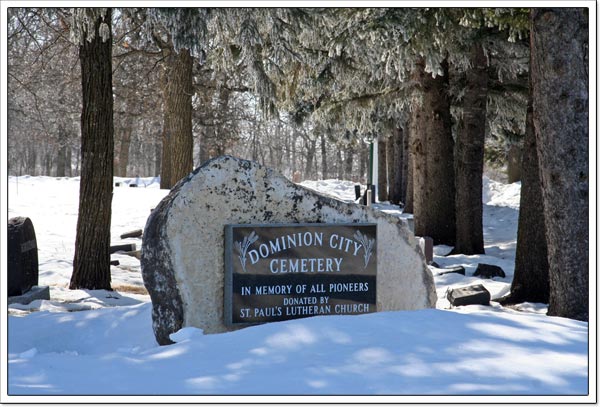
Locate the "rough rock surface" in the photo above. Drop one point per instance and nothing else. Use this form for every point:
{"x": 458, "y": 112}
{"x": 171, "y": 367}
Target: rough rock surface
{"x": 183, "y": 248}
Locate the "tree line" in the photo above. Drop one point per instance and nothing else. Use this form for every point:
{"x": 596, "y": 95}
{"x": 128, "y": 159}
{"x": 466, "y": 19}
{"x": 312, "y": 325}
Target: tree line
{"x": 441, "y": 89}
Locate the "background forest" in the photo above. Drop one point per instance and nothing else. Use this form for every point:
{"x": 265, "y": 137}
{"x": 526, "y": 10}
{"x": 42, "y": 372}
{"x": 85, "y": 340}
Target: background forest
{"x": 147, "y": 92}
{"x": 338, "y": 78}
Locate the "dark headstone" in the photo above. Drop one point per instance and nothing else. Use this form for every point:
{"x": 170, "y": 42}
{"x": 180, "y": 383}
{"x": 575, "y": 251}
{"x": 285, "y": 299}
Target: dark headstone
{"x": 426, "y": 244}
{"x": 488, "y": 271}
{"x": 133, "y": 233}
{"x": 471, "y": 295}
{"x": 371, "y": 188}
{"x": 356, "y": 192}
{"x": 133, "y": 185}
{"x": 114, "y": 262}
{"x": 448, "y": 270}
{"x": 129, "y": 247}
{"x": 117, "y": 184}
{"x": 22, "y": 256}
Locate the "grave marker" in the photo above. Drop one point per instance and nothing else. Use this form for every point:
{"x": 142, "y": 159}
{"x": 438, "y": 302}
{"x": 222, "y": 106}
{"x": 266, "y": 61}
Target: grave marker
{"x": 22, "y": 256}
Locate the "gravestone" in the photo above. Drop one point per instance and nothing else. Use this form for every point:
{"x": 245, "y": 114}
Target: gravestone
{"x": 22, "y": 256}
{"x": 194, "y": 238}
{"x": 470, "y": 295}
{"x": 489, "y": 271}
{"x": 426, "y": 244}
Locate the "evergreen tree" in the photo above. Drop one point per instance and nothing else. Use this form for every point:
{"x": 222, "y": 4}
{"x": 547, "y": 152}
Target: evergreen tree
{"x": 432, "y": 147}
{"x": 468, "y": 156}
{"x": 559, "y": 76}
{"x": 530, "y": 279}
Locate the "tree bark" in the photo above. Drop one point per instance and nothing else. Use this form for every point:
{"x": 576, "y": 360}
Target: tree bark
{"x": 157, "y": 153}
{"x": 530, "y": 280}
{"x": 63, "y": 146}
{"x": 340, "y": 164}
{"x": 91, "y": 264}
{"x": 48, "y": 163}
{"x": 31, "y": 162}
{"x": 348, "y": 161}
{"x": 407, "y": 172}
{"x": 178, "y": 143}
{"x": 124, "y": 148}
{"x": 559, "y": 75}
{"x": 468, "y": 157}
{"x": 363, "y": 153}
{"x": 165, "y": 159}
{"x": 311, "y": 148}
{"x": 324, "y": 168}
{"x": 514, "y": 163}
{"x": 392, "y": 166}
{"x": 396, "y": 165}
{"x": 433, "y": 149}
{"x": 69, "y": 156}
{"x": 382, "y": 181}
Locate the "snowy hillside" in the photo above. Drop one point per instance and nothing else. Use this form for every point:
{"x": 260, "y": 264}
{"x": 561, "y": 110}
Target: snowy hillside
{"x": 101, "y": 343}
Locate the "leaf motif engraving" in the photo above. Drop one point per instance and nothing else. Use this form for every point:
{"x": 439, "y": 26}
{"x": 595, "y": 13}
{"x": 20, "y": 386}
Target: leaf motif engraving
{"x": 367, "y": 245}
{"x": 242, "y": 248}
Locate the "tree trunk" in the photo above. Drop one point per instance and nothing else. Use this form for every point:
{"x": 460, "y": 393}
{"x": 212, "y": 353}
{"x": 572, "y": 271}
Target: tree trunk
{"x": 514, "y": 163}
{"x": 407, "y": 190}
{"x": 382, "y": 181}
{"x": 91, "y": 265}
{"x": 157, "y": 155}
{"x": 61, "y": 159}
{"x": 433, "y": 168}
{"x": 124, "y": 149}
{"x": 349, "y": 160}
{"x": 395, "y": 165}
{"x": 392, "y": 166}
{"x": 178, "y": 143}
{"x": 468, "y": 157}
{"x": 364, "y": 161}
{"x": 311, "y": 148}
{"x": 559, "y": 76}
{"x": 48, "y": 163}
{"x": 165, "y": 159}
{"x": 324, "y": 168}
{"x": 530, "y": 280}
{"x": 294, "y": 140}
{"x": 69, "y": 169}
{"x": 31, "y": 163}
{"x": 340, "y": 164}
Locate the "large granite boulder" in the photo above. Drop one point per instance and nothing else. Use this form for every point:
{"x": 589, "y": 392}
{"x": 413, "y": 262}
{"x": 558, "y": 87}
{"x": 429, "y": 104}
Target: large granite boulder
{"x": 183, "y": 248}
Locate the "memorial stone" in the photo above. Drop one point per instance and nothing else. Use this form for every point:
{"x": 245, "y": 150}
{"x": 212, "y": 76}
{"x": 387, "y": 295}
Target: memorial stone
{"x": 194, "y": 238}
{"x": 471, "y": 295}
{"x": 489, "y": 271}
{"x": 22, "y": 256}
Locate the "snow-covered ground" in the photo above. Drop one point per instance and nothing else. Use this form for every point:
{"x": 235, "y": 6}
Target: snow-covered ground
{"x": 101, "y": 343}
